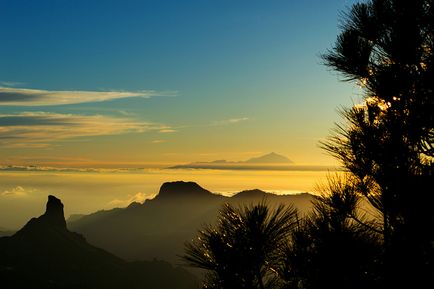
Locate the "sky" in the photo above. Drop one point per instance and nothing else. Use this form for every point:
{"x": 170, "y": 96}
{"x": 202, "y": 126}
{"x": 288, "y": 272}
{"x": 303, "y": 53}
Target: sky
{"x": 23, "y": 195}
{"x": 123, "y": 83}
{"x": 90, "y": 87}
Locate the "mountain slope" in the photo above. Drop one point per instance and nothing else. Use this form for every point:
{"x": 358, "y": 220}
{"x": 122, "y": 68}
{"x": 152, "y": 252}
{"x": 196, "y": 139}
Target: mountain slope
{"x": 271, "y": 158}
{"x": 158, "y": 228}
{"x": 271, "y": 161}
{"x": 44, "y": 254}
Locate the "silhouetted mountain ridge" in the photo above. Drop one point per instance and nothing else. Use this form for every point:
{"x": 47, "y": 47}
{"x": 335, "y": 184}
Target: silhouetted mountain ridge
{"x": 45, "y": 254}
{"x": 159, "y": 227}
{"x": 182, "y": 189}
{"x": 255, "y": 193}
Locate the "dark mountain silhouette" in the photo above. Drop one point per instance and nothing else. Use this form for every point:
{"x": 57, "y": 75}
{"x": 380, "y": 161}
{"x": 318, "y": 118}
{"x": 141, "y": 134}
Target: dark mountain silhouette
{"x": 250, "y": 194}
{"x": 184, "y": 190}
{"x": 45, "y": 254}
{"x": 159, "y": 227}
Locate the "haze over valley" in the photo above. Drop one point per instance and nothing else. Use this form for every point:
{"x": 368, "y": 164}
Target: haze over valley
{"x": 216, "y": 144}
{"x": 87, "y": 190}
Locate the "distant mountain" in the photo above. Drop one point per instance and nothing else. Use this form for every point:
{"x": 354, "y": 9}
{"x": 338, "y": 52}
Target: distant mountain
{"x": 74, "y": 217}
{"x": 159, "y": 227}
{"x": 5, "y": 232}
{"x": 271, "y": 158}
{"x": 45, "y": 254}
{"x": 252, "y": 194}
{"x": 183, "y": 190}
{"x": 271, "y": 161}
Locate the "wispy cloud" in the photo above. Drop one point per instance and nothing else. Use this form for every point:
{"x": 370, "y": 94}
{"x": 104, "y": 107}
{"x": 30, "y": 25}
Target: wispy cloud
{"x": 39, "y": 129}
{"x": 12, "y": 96}
{"x": 233, "y": 166}
{"x": 167, "y": 130}
{"x": 230, "y": 121}
{"x": 139, "y": 198}
{"x": 10, "y": 83}
{"x": 17, "y": 192}
{"x": 33, "y": 168}
{"x": 157, "y": 141}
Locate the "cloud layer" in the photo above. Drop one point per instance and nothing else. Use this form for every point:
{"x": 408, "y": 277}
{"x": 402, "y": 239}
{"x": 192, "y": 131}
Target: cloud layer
{"x": 138, "y": 198}
{"x": 38, "y": 129}
{"x": 222, "y": 165}
{"x": 11, "y": 96}
{"x": 16, "y": 192}
{"x": 230, "y": 121}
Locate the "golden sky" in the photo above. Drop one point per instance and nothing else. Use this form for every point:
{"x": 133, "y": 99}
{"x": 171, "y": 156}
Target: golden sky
{"x": 200, "y": 81}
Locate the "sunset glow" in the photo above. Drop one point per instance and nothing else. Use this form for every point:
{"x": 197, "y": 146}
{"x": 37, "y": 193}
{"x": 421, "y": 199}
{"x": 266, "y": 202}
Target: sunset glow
{"x": 95, "y": 108}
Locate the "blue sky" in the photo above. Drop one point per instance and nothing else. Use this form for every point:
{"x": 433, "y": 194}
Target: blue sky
{"x": 205, "y": 80}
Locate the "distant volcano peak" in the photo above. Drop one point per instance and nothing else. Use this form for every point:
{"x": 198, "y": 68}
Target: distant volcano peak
{"x": 270, "y": 158}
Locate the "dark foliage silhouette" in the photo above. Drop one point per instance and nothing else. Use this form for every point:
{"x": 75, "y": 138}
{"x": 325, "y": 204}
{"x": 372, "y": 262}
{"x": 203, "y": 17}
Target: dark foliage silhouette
{"x": 372, "y": 227}
{"x": 332, "y": 247}
{"x": 243, "y": 250}
{"x": 159, "y": 227}
{"x": 386, "y": 144}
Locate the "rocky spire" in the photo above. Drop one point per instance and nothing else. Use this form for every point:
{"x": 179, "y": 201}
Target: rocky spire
{"x": 54, "y": 212}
